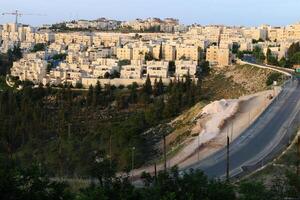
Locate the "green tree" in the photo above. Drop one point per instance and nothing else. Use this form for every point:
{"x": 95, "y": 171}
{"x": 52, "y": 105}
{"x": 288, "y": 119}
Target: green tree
{"x": 90, "y": 94}
{"x": 147, "y": 87}
{"x": 39, "y": 47}
{"x": 273, "y": 77}
{"x": 148, "y": 56}
{"x": 259, "y": 55}
{"x": 97, "y": 97}
{"x": 271, "y": 59}
{"x": 283, "y": 62}
{"x": 293, "y": 49}
{"x": 253, "y": 191}
{"x": 160, "y": 56}
{"x": 133, "y": 93}
{"x": 295, "y": 59}
{"x": 14, "y": 54}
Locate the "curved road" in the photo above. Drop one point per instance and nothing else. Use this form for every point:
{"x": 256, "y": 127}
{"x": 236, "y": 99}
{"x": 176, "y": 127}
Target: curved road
{"x": 262, "y": 141}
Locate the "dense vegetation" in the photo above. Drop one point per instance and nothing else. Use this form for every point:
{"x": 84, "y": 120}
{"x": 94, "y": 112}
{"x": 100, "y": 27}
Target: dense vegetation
{"x": 33, "y": 184}
{"x": 64, "y": 128}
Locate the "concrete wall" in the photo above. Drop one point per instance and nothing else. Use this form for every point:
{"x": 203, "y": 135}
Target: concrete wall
{"x": 86, "y": 82}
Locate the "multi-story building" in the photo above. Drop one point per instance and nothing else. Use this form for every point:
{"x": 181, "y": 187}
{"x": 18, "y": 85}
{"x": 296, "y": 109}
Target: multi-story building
{"x": 165, "y": 51}
{"x": 33, "y": 70}
{"x": 139, "y": 53}
{"x": 124, "y": 53}
{"x": 188, "y": 53}
{"x": 186, "y": 67}
{"x": 131, "y": 71}
{"x": 157, "y": 69}
{"x": 217, "y": 56}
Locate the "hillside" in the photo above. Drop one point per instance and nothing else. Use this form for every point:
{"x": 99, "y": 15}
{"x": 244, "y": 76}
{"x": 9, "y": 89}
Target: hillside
{"x": 66, "y": 131}
{"x": 226, "y": 83}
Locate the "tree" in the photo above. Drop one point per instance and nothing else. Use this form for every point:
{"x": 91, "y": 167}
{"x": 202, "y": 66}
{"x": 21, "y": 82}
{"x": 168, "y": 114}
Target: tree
{"x": 147, "y": 87}
{"x": 271, "y": 59}
{"x": 90, "y": 95}
{"x": 258, "y": 54}
{"x": 29, "y": 184}
{"x": 235, "y": 48}
{"x": 14, "y": 54}
{"x": 61, "y": 56}
{"x": 293, "y": 49}
{"x": 273, "y": 77}
{"x": 106, "y": 75}
{"x": 283, "y": 62}
{"x": 133, "y": 93}
{"x": 103, "y": 169}
{"x": 295, "y": 59}
{"x": 253, "y": 191}
{"x": 78, "y": 85}
{"x": 160, "y": 56}
{"x": 204, "y": 69}
{"x": 158, "y": 87}
{"x": 153, "y": 114}
{"x": 124, "y": 62}
{"x": 172, "y": 66}
{"x": 39, "y": 47}
{"x": 97, "y": 94}
{"x": 148, "y": 56}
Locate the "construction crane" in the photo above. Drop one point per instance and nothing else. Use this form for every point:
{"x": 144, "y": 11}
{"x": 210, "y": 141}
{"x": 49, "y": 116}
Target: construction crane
{"x": 18, "y": 14}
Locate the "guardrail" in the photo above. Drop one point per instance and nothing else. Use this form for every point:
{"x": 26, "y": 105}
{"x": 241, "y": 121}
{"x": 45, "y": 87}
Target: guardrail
{"x": 285, "y": 71}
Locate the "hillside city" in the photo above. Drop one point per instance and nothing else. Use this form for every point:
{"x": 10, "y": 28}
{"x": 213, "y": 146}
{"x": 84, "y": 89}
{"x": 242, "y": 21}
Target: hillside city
{"x": 60, "y": 54}
{"x": 148, "y": 109}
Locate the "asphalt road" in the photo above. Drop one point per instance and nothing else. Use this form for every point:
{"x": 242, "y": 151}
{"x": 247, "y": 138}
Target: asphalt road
{"x": 262, "y": 141}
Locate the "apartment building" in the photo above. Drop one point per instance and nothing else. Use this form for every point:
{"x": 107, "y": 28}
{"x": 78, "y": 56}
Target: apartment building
{"x": 139, "y": 53}
{"x": 102, "y": 71}
{"x": 188, "y": 53}
{"x": 185, "y": 67}
{"x": 217, "y": 56}
{"x": 168, "y": 52}
{"x": 157, "y": 69}
{"x": 125, "y": 53}
{"x": 33, "y": 70}
{"x": 131, "y": 71}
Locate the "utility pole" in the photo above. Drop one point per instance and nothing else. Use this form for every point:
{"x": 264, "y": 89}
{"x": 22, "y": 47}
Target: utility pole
{"x": 227, "y": 160}
{"x": 132, "y": 158}
{"x": 165, "y": 154}
{"x": 155, "y": 171}
{"x": 298, "y": 156}
{"x": 198, "y": 149}
{"x": 249, "y": 118}
{"x": 110, "y": 151}
{"x": 231, "y": 134}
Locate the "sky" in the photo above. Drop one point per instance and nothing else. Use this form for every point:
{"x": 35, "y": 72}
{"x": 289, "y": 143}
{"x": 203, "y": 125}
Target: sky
{"x": 227, "y": 12}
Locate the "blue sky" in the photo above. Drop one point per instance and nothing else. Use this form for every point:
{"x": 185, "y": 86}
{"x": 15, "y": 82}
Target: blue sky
{"x": 229, "y": 12}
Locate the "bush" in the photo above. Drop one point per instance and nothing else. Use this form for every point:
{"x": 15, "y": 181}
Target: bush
{"x": 273, "y": 77}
